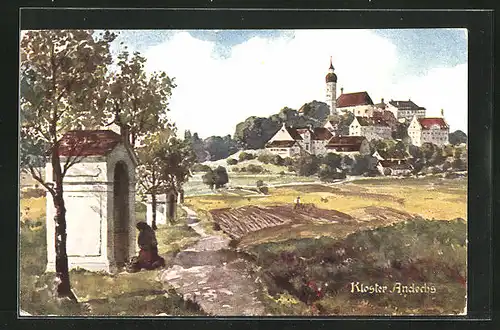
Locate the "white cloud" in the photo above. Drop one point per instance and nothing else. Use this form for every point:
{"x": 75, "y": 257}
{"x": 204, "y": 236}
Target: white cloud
{"x": 263, "y": 75}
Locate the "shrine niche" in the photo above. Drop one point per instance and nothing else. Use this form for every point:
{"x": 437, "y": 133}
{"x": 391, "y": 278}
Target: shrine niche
{"x": 99, "y": 195}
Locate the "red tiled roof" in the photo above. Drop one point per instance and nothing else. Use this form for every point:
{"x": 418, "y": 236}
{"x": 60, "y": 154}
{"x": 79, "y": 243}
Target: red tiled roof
{"x": 427, "y": 123}
{"x": 353, "y": 99}
{"x": 321, "y": 133}
{"x": 280, "y": 144}
{"x": 88, "y": 143}
{"x": 353, "y": 143}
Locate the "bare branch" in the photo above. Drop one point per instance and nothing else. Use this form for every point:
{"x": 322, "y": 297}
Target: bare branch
{"x": 38, "y": 177}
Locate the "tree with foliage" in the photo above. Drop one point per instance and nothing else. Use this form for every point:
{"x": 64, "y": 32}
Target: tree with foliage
{"x": 149, "y": 170}
{"x": 216, "y": 178}
{"x": 306, "y": 165}
{"x": 332, "y": 159}
{"x": 217, "y": 147}
{"x": 232, "y": 161}
{"x": 427, "y": 150}
{"x": 364, "y": 165}
{"x": 164, "y": 164}
{"x": 197, "y": 145}
{"x": 63, "y": 75}
{"x": 176, "y": 157}
{"x": 401, "y": 131}
{"x": 138, "y": 100}
{"x": 457, "y": 137}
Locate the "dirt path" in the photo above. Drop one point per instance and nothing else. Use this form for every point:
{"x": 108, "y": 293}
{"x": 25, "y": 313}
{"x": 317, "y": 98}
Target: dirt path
{"x": 213, "y": 276}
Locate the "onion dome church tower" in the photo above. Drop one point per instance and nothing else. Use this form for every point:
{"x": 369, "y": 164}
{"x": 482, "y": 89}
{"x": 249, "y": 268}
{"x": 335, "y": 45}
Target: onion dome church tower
{"x": 331, "y": 89}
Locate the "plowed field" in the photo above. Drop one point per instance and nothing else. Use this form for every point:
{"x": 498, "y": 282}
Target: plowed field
{"x": 237, "y": 222}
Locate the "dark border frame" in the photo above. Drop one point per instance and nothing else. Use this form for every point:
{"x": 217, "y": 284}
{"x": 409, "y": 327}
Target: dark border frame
{"x": 480, "y": 26}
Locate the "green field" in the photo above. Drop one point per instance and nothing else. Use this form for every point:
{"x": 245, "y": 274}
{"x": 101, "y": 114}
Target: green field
{"x": 431, "y": 198}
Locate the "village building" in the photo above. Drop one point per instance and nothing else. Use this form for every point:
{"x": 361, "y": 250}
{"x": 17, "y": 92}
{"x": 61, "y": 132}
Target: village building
{"x": 370, "y": 128}
{"x": 405, "y": 110}
{"x": 359, "y": 104}
{"x": 382, "y": 111}
{"x": 331, "y": 126}
{"x": 289, "y": 141}
{"x": 396, "y": 162}
{"x": 99, "y": 196}
{"x": 432, "y": 130}
{"x": 348, "y": 145}
{"x": 285, "y": 142}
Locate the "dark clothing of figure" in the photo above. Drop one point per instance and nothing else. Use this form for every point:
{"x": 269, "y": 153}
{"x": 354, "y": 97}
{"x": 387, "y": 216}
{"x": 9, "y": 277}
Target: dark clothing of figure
{"x": 297, "y": 203}
{"x": 148, "y": 255}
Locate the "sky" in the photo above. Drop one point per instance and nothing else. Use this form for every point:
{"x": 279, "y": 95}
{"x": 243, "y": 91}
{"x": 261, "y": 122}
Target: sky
{"x": 225, "y": 76}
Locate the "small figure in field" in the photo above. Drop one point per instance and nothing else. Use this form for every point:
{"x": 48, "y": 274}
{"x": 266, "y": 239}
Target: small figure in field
{"x": 148, "y": 255}
{"x": 297, "y": 203}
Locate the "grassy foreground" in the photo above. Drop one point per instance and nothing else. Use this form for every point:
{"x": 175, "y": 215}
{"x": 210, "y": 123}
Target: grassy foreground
{"x": 137, "y": 294}
{"x": 322, "y": 276}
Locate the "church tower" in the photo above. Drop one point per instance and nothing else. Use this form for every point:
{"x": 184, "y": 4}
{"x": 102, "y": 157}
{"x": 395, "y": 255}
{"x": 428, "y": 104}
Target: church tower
{"x": 331, "y": 89}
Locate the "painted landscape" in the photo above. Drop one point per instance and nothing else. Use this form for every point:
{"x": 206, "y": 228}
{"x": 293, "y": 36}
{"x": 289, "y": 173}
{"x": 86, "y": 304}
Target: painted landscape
{"x": 309, "y": 199}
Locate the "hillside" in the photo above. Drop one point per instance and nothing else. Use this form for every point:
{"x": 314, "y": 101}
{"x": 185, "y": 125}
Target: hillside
{"x": 254, "y": 132}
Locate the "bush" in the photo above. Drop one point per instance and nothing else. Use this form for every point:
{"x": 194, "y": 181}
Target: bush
{"x": 200, "y": 168}
{"x": 282, "y": 173}
{"x": 288, "y": 161}
{"x": 216, "y": 178}
{"x": 236, "y": 169}
{"x": 446, "y": 166}
{"x": 254, "y": 168}
{"x": 243, "y": 169}
{"x": 264, "y": 190}
{"x": 232, "y": 161}
{"x": 259, "y": 183}
{"x": 306, "y": 165}
{"x": 246, "y": 156}
{"x": 387, "y": 171}
{"x": 277, "y": 160}
{"x": 458, "y": 164}
{"x": 436, "y": 170}
{"x": 265, "y": 158}
{"x": 328, "y": 173}
{"x": 221, "y": 177}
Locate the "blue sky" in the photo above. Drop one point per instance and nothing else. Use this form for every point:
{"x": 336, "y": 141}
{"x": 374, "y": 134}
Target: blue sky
{"x": 224, "y": 76}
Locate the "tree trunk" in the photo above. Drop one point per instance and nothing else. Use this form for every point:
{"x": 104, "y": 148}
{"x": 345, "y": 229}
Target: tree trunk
{"x": 64, "y": 287}
{"x": 153, "y": 207}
